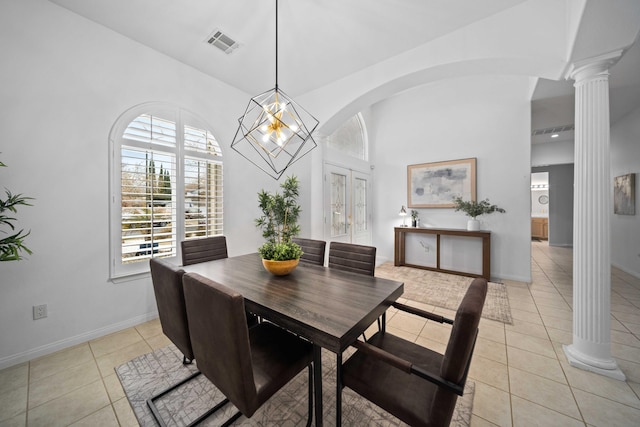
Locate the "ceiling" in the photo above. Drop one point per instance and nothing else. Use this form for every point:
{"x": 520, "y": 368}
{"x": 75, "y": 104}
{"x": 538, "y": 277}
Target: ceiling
{"x": 319, "y": 41}
{"x": 322, "y": 41}
{"x": 552, "y": 106}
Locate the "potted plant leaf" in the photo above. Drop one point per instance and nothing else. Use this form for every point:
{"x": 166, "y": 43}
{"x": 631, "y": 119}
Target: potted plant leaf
{"x": 279, "y": 223}
{"x": 415, "y": 221}
{"x": 12, "y": 246}
{"x": 474, "y": 209}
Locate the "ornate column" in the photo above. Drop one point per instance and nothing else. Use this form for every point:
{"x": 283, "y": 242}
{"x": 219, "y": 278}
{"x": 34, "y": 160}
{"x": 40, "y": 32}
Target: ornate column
{"x": 592, "y": 207}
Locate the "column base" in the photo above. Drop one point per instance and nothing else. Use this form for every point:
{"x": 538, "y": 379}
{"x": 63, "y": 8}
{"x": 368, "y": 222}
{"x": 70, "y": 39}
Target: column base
{"x": 608, "y": 368}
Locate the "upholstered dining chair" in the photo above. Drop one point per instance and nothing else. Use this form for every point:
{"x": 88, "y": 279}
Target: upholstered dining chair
{"x": 204, "y": 249}
{"x": 167, "y": 287}
{"x": 354, "y": 258}
{"x": 418, "y": 385}
{"x": 313, "y": 250}
{"x": 351, "y": 257}
{"x": 246, "y": 365}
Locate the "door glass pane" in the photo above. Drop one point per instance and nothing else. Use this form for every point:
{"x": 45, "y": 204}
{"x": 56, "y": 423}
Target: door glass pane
{"x": 338, "y": 205}
{"x": 360, "y": 204}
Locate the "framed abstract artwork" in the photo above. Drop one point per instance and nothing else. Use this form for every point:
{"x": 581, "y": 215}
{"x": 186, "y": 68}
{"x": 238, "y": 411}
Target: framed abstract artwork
{"x": 433, "y": 185}
{"x": 624, "y": 194}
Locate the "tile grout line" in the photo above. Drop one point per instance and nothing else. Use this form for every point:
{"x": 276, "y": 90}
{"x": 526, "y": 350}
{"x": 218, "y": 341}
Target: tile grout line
{"x": 564, "y": 373}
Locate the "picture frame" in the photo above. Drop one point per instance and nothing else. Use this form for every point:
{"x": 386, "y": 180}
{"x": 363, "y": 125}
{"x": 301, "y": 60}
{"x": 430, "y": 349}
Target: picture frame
{"x": 624, "y": 194}
{"x": 433, "y": 185}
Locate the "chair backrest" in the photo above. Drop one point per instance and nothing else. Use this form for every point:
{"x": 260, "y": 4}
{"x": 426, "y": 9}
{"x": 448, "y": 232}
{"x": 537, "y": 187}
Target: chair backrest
{"x": 313, "y": 250}
{"x": 457, "y": 356}
{"x": 167, "y": 286}
{"x": 205, "y": 249}
{"x": 220, "y": 337}
{"x": 351, "y": 257}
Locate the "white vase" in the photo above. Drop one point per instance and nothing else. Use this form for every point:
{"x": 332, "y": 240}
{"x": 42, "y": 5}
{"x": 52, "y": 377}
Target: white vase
{"x": 473, "y": 225}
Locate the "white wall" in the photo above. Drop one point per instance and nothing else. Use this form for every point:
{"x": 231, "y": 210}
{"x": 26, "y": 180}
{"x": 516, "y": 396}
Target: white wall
{"x": 552, "y": 153}
{"x": 625, "y": 158}
{"x": 486, "y": 117}
{"x": 65, "y": 81}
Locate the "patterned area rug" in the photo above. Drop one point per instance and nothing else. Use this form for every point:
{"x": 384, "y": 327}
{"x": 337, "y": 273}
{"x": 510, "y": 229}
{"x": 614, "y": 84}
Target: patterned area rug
{"x": 446, "y": 290}
{"x": 149, "y": 374}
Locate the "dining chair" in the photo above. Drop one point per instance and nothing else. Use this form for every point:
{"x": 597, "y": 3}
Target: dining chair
{"x": 167, "y": 287}
{"x": 351, "y": 257}
{"x": 354, "y": 258}
{"x": 247, "y": 365}
{"x": 414, "y": 383}
{"x": 313, "y": 250}
{"x": 204, "y": 249}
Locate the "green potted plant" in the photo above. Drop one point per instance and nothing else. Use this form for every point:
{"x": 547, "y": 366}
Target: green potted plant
{"x": 12, "y": 245}
{"x": 278, "y": 223}
{"x": 474, "y": 209}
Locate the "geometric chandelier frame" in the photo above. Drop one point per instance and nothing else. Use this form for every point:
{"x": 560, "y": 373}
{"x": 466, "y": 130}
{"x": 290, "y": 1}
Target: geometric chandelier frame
{"x": 274, "y": 132}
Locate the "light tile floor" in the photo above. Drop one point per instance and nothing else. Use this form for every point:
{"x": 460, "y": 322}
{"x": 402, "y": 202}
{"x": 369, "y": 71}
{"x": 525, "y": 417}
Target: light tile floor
{"x": 522, "y": 376}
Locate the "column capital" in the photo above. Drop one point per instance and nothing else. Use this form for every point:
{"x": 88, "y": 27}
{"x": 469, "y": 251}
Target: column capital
{"x": 591, "y": 67}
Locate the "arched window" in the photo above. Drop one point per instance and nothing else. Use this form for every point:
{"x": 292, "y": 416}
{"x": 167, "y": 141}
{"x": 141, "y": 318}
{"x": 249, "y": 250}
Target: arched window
{"x": 166, "y": 185}
{"x": 350, "y": 138}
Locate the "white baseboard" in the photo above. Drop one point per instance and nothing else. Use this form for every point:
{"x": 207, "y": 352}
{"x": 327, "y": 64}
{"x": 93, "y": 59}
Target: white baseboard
{"x": 633, "y": 273}
{"x": 500, "y": 278}
{"x": 43, "y": 350}
{"x": 562, "y": 245}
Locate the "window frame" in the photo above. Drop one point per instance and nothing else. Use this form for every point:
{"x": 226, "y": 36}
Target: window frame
{"x": 334, "y": 142}
{"x": 119, "y": 271}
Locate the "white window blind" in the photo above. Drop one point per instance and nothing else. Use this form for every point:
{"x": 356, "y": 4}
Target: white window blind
{"x": 148, "y": 204}
{"x": 167, "y": 177}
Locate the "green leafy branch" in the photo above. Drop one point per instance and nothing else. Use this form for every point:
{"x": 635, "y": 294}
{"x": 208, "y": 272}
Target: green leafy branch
{"x": 475, "y": 209}
{"x": 12, "y": 245}
{"x": 280, "y": 213}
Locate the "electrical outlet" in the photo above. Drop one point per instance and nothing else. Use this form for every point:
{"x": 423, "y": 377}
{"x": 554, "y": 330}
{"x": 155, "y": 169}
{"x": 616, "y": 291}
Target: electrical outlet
{"x": 39, "y": 311}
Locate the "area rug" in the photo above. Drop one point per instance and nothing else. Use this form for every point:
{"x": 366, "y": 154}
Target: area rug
{"x": 149, "y": 374}
{"x": 446, "y": 290}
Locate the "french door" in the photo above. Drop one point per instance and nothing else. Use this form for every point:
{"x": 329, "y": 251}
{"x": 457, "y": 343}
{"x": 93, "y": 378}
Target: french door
{"x": 347, "y": 205}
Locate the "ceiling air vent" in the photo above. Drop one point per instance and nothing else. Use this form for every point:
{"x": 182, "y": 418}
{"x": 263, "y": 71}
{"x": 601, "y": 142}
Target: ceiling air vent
{"x": 555, "y": 129}
{"x": 222, "y": 41}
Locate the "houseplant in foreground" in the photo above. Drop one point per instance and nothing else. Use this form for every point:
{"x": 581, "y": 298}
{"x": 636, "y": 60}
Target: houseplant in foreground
{"x": 474, "y": 209}
{"x": 278, "y": 223}
{"x": 12, "y": 245}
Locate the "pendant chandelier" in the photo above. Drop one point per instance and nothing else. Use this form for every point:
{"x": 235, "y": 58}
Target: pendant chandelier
{"x": 274, "y": 131}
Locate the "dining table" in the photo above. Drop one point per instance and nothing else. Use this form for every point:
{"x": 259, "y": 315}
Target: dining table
{"x": 329, "y": 307}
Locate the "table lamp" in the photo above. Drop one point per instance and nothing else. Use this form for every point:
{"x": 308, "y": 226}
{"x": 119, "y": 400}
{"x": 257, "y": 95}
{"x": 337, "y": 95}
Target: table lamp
{"x": 403, "y": 214}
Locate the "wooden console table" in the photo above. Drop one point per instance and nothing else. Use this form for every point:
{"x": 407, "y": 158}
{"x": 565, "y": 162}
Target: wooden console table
{"x": 399, "y": 257}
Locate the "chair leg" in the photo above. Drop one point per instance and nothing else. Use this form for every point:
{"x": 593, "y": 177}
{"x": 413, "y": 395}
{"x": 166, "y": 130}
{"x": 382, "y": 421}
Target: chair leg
{"x": 231, "y": 420}
{"x": 339, "y": 388}
{"x": 156, "y": 414}
{"x": 238, "y": 414}
{"x": 310, "y": 416}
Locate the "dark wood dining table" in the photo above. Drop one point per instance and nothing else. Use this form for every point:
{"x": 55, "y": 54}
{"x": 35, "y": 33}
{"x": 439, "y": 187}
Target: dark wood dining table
{"x": 329, "y": 307}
